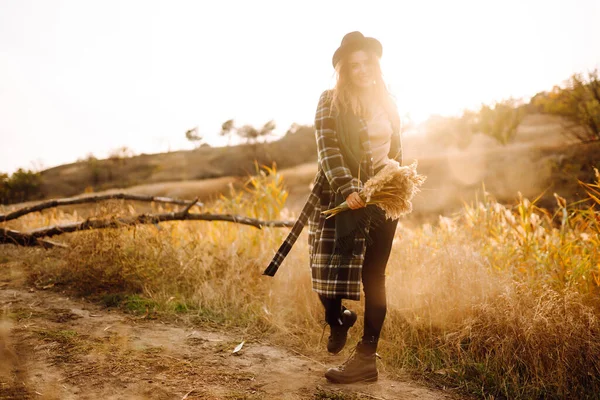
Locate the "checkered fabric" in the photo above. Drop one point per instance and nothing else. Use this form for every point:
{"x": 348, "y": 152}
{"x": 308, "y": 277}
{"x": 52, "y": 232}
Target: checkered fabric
{"x": 332, "y": 276}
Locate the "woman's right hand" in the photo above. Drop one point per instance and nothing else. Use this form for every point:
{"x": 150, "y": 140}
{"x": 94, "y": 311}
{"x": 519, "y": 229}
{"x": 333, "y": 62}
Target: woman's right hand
{"x": 354, "y": 201}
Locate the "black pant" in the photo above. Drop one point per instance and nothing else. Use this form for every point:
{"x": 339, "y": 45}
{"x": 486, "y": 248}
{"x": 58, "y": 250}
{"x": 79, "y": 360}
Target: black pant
{"x": 373, "y": 279}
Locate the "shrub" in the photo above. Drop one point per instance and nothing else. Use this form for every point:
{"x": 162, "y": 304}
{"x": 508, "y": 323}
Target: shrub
{"x": 578, "y": 102}
{"x": 500, "y": 121}
{"x": 21, "y": 186}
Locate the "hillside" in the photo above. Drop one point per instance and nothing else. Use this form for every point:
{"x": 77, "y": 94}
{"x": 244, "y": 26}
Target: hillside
{"x": 202, "y": 163}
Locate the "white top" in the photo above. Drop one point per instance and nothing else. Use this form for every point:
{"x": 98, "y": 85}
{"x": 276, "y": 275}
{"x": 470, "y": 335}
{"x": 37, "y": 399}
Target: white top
{"x": 380, "y": 135}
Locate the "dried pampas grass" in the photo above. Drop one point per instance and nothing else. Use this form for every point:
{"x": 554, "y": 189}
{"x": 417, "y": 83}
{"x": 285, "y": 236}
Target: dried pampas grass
{"x": 391, "y": 189}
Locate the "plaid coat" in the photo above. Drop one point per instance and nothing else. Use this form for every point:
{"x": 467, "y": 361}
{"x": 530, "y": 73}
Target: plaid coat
{"x": 331, "y": 277}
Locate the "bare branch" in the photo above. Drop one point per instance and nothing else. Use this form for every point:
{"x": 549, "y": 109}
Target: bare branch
{"x": 32, "y": 238}
{"x": 91, "y": 199}
{"x": 187, "y": 209}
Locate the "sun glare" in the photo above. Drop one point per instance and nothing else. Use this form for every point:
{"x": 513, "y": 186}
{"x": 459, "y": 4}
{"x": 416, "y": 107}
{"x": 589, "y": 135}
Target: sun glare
{"x": 158, "y": 71}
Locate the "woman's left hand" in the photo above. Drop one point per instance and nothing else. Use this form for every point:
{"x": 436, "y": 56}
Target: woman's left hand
{"x": 354, "y": 201}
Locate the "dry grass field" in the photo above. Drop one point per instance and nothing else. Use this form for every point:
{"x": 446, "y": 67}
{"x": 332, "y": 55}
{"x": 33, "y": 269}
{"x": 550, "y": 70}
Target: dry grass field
{"x": 494, "y": 298}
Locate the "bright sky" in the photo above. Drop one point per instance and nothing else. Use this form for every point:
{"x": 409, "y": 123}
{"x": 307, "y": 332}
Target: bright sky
{"x": 90, "y": 76}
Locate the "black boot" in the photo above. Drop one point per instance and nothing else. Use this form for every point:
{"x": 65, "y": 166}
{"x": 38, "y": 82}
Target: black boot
{"x": 339, "y": 331}
{"x": 360, "y": 367}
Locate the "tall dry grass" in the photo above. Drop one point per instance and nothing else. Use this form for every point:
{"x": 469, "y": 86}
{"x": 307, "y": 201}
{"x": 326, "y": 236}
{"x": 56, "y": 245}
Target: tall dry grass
{"x": 500, "y": 301}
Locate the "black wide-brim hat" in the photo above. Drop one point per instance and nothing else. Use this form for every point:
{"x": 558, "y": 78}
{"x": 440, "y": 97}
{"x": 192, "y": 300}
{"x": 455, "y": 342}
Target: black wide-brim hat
{"x": 356, "y": 41}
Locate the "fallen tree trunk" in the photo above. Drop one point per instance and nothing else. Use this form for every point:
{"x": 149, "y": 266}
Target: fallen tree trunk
{"x": 91, "y": 199}
{"x": 25, "y": 239}
{"x": 32, "y": 238}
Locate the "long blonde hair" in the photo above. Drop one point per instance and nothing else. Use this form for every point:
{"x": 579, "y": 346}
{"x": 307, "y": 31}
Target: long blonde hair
{"x": 344, "y": 96}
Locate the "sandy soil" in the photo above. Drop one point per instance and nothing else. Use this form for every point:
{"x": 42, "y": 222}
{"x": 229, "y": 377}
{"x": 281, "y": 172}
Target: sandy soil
{"x": 55, "y": 347}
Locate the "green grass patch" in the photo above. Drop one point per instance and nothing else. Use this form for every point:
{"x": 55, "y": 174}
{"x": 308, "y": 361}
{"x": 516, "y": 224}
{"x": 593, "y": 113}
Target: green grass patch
{"x": 138, "y": 305}
{"x": 131, "y": 303}
{"x": 181, "y": 308}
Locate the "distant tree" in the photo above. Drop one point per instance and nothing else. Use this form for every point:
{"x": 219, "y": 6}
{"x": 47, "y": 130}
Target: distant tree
{"x": 22, "y": 185}
{"x": 227, "y": 129}
{"x": 252, "y": 135}
{"x": 578, "y": 102}
{"x": 293, "y": 128}
{"x": 267, "y": 128}
{"x": 227, "y": 126}
{"x": 247, "y": 132}
{"x": 499, "y": 121}
{"x": 194, "y": 136}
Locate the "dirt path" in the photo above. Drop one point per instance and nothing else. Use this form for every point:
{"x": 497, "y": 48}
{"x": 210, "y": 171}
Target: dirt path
{"x": 53, "y": 347}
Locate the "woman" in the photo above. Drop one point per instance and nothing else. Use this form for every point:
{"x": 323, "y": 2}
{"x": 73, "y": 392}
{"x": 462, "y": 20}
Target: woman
{"x": 357, "y": 132}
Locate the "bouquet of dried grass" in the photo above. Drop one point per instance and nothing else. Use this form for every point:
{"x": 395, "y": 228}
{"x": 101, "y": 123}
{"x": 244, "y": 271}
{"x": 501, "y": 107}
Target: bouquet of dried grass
{"x": 391, "y": 189}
